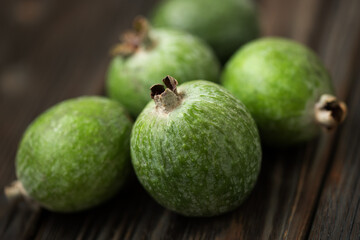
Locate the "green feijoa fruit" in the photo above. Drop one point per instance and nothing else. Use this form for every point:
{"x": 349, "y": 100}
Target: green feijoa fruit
{"x": 149, "y": 54}
{"x": 195, "y": 148}
{"x": 76, "y": 154}
{"x": 286, "y": 88}
{"x": 224, "y": 25}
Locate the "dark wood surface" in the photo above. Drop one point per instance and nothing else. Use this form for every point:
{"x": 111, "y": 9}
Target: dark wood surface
{"x": 54, "y": 50}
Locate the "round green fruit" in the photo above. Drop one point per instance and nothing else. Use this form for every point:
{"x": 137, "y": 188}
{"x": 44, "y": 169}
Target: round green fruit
{"x": 149, "y": 54}
{"x": 195, "y": 148}
{"x": 76, "y": 154}
{"x": 286, "y": 89}
{"x": 224, "y": 25}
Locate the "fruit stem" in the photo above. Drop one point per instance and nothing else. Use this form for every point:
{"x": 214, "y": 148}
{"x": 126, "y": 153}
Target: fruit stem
{"x": 133, "y": 40}
{"x": 15, "y": 190}
{"x": 330, "y": 112}
{"x": 166, "y": 99}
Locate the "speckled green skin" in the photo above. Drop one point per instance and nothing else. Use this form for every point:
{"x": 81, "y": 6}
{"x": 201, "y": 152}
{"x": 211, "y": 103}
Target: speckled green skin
{"x": 203, "y": 158}
{"x": 175, "y": 53}
{"x": 224, "y": 24}
{"x": 279, "y": 81}
{"x": 76, "y": 154}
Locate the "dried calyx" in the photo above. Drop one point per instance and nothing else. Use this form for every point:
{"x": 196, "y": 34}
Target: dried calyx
{"x": 134, "y": 39}
{"x": 166, "y": 99}
{"x": 330, "y": 112}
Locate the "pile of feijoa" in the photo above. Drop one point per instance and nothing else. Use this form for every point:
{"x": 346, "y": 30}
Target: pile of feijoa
{"x": 195, "y": 145}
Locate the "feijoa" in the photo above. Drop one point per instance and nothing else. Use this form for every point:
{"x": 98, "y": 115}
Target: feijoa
{"x": 286, "y": 88}
{"x": 148, "y": 54}
{"x": 75, "y": 155}
{"x": 195, "y": 148}
{"x": 224, "y": 25}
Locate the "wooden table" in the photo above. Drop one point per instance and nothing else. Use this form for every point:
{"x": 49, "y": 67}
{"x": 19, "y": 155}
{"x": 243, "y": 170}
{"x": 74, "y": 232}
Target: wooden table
{"x": 54, "y": 50}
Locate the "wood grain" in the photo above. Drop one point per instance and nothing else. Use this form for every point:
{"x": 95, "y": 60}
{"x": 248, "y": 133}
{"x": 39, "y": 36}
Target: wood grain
{"x": 338, "y": 212}
{"x": 54, "y": 50}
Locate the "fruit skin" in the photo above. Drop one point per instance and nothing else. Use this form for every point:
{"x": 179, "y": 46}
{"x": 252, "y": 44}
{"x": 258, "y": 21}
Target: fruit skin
{"x": 279, "y": 81}
{"x": 76, "y": 154}
{"x": 201, "y": 159}
{"x": 225, "y": 25}
{"x": 175, "y": 53}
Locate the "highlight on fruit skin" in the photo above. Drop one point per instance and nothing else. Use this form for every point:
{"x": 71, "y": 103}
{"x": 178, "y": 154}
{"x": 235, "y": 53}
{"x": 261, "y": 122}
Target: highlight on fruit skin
{"x": 286, "y": 88}
{"x": 195, "y": 148}
{"x": 73, "y": 156}
{"x": 225, "y": 25}
{"x": 146, "y": 54}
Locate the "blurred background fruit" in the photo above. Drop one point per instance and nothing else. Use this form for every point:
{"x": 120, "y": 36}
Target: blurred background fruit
{"x": 148, "y": 54}
{"x": 282, "y": 82}
{"x": 225, "y": 24}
